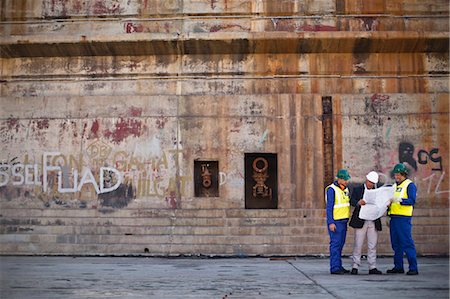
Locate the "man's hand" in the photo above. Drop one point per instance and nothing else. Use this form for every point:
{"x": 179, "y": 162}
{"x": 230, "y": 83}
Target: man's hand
{"x": 361, "y": 202}
{"x": 332, "y": 227}
{"x": 396, "y": 199}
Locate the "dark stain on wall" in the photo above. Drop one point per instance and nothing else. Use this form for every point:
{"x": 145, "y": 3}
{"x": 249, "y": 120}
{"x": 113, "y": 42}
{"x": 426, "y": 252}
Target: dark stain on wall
{"x": 118, "y": 198}
{"x": 376, "y": 106}
{"x": 9, "y": 192}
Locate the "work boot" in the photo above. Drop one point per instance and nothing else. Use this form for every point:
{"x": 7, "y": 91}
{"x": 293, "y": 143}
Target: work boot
{"x": 412, "y": 272}
{"x": 338, "y": 272}
{"x": 345, "y": 271}
{"x": 354, "y": 271}
{"x": 395, "y": 271}
{"x": 375, "y": 271}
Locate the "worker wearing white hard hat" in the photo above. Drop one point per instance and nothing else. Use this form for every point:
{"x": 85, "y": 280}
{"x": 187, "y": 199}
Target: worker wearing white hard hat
{"x": 364, "y": 228}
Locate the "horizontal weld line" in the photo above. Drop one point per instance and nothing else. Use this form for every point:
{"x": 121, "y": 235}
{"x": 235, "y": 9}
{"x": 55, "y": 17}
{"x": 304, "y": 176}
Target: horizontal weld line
{"x": 231, "y": 15}
{"x": 125, "y": 77}
{"x": 231, "y": 116}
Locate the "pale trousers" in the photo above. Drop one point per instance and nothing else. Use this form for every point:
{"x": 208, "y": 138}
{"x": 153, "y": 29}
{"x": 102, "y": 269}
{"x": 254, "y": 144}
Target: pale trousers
{"x": 372, "y": 238}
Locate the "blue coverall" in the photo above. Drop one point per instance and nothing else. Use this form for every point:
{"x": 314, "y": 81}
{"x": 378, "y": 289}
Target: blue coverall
{"x": 337, "y": 238}
{"x": 401, "y": 237}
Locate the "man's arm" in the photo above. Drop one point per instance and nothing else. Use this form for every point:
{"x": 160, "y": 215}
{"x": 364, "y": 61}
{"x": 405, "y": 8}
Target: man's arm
{"x": 412, "y": 191}
{"x": 356, "y": 196}
{"x": 330, "y": 206}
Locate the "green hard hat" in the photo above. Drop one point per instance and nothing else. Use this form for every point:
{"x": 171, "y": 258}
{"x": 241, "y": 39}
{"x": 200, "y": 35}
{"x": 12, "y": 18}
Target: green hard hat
{"x": 400, "y": 168}
{"x": 343, "y": 174}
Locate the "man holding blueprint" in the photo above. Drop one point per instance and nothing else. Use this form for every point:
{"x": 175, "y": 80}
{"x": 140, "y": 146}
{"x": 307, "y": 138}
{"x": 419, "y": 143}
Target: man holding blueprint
{"x": 366, "y": 222}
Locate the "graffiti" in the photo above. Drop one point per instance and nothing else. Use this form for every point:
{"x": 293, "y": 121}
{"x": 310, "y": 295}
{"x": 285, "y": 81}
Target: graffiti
{"x": 438, "y": 184}
{"x": 222, "y": 178}
{"x": 131, "y": 27}
{"x": 423, "y": 156}
{"x": 405, "y": 154}
{"x": 124, "y": 128}
{"x": 98, "y": 152}
{"x": 64, "y": 8}
{"x": 263, "y": 137}
{"x": 28, "y": 174}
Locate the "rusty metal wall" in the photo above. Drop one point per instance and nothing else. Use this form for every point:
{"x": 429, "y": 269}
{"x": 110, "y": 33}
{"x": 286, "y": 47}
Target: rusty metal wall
{"x": 106, "y": 104}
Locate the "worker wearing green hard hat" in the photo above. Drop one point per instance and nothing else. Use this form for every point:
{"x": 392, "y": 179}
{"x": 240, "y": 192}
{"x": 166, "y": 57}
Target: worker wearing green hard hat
{"x": 400, "y": 212}
{"x": 343, "y": 174}
{"x": 400, "y": 168}
{"x": 338, "y": 212}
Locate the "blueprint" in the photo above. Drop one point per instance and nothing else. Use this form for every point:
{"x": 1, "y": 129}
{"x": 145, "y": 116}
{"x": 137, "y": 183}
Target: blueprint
{"x": 377, "y": 201}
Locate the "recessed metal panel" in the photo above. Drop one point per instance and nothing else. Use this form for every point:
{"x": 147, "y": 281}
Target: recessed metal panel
{"x": 261, "y": 181}
{"x": 206, "y": 178}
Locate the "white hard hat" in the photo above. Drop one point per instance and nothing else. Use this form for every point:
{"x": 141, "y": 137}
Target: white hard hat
{"x": 372, "y": 176}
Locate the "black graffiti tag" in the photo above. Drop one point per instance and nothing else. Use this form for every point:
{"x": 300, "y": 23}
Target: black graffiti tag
{"x": 423, "y": 156}
{"x": 405, "y": 154}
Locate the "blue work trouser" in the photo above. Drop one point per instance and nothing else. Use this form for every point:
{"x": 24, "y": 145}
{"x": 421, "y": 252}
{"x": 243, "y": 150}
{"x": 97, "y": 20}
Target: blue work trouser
{"x": 337, "y": 241}
{"x": 401, "y": 240}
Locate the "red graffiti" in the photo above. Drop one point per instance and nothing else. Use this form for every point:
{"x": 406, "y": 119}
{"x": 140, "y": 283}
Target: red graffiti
{"x": 13, "y": 123}
{"x": 378, "y": 98}
{"x": 171, "y": 200}
{"x": 100, "y": 8}
{"x": 135, "y": 111}
{"x": 124, "y": 128}
{"x": 42, "y": 124}
{"x": 161, "y": 122}
{"x": 94, "y": 129}
{"x": 131, "y": 27}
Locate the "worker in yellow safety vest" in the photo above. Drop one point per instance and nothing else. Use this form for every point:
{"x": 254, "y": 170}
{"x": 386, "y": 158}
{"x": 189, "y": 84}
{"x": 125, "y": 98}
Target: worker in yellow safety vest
{"x": 400, "y": 212}
{"x": 338, "y": 213}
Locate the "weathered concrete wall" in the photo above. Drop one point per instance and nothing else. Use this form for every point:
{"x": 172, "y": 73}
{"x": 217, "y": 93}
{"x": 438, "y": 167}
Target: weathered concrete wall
{"x": 106, "y": 104}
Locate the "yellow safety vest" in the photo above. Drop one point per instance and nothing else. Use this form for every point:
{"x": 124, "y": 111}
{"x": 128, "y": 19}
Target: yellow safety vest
{"x": 341, "y": 208}
{"x": 402, "y": 192}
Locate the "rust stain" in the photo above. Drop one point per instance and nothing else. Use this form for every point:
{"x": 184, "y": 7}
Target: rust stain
{"x": 125, "y": 128}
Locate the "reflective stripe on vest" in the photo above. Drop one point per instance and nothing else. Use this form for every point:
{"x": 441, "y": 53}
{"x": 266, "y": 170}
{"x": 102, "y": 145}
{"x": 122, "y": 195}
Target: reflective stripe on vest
{"x": 402, "y": 192}
{"x": 341, "y": 208}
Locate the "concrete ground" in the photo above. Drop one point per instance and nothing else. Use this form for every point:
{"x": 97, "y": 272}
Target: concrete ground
{"x": 140, "y": 277}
